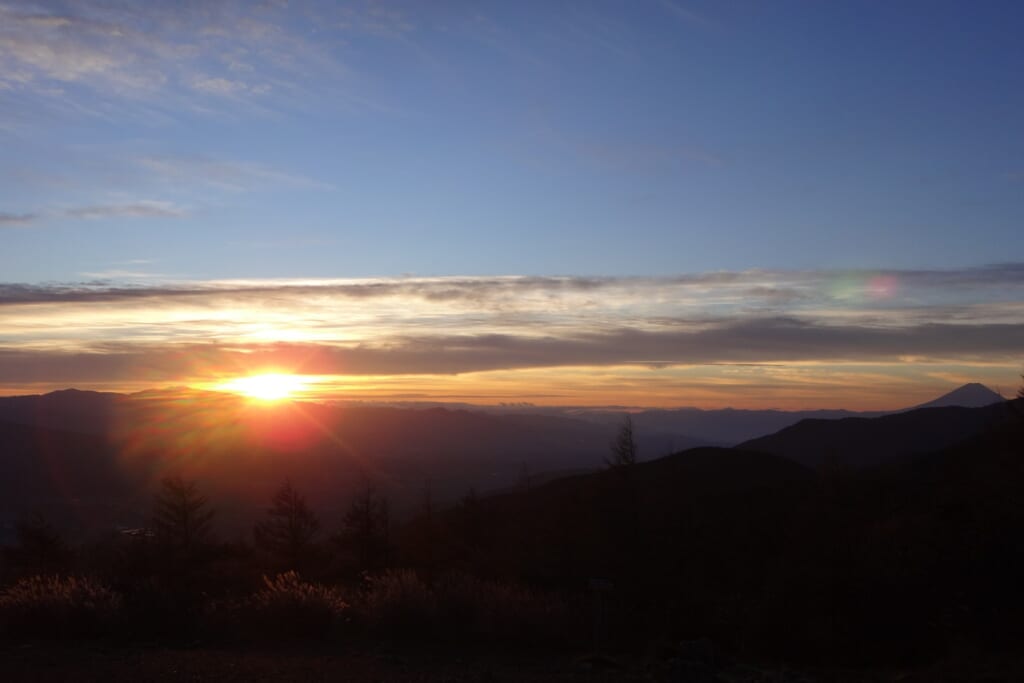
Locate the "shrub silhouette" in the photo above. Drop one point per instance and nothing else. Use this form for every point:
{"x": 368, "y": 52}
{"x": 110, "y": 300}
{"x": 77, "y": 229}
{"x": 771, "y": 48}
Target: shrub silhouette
{"x": 59, "y": 606}
{"x": 286, "y": 607}
{"x": 397, "y": 602}
{"x": 500, "y": 611}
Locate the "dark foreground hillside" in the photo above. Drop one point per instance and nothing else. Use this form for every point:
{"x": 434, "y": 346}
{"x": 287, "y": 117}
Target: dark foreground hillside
{"x": 898, "y": 562}
{"x": 716, "y": 564}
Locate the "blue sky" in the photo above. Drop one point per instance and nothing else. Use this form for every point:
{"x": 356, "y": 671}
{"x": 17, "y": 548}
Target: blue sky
{"x": 807, "y": 169}
{"x": 640, "y": 138}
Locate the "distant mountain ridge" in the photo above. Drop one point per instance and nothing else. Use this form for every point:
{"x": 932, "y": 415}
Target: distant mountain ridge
{"x": 662, "y": 431}
{"x": 51, "y": 441}
{"x": 75, "y": 446}
{"x": 972, "y": 395}
{"x": 732, "y": 426}
{"x": 862, "y": 442}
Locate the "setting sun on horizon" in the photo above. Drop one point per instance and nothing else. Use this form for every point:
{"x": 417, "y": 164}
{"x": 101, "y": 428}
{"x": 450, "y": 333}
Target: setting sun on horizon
{"x": 267, "y": 387}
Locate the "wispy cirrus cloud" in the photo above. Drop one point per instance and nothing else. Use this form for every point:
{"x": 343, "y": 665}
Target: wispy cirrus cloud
{"x": 88, "y": 47}
{"x": 232, "y": 175}
{"x": 200, "y": 55}
{"x": 11, "y": 220}
{"x": 191, "y": 181}
{"x": 226, "y": 87}
{"x": 136, "y": 209}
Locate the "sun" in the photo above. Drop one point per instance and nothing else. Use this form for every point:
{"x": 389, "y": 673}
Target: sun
{"x": 267, "y": 387}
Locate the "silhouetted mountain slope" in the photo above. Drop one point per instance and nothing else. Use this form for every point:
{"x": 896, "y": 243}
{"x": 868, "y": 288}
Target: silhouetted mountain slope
{"x": 728, "y": 426}
{"x": 885, "y": 563}
{"x": 620, "y": 521}
{"x": 867, "y": 441}
{"x": 71, "y": 410}
{"x": 77, "y": 481}
{"x": 973, "y": 395}
{"x": 666, "y": 482}
{"x": 710, "y": 471}
{"x": 242, "y": 451}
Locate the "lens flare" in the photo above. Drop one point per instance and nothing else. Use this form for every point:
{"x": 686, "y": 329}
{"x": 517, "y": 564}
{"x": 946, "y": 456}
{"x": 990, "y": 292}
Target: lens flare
{"x": 882, "y": 287}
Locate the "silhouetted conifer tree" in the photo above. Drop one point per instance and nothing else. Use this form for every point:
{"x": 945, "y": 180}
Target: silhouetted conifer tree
{"x": 623, "y": 446}
{"x": 621, "y": 507}
{"x": 429, "y": 536}
{"x": 182, "y": 518}
{"x": 288, "y": 532}
{"x": 38, "y": 547}
{"x": 525, "y": 478}
{"x": 366, "y": 529}
{"x": 471, "y": 521}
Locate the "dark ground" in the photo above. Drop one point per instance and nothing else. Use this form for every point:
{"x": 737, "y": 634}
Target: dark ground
{"x": 48, "y": 662}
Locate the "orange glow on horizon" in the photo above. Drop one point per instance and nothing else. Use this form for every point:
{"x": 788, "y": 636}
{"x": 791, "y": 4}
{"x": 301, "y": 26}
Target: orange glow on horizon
{"x": 789, "y": 386}
{"x": 798, "y": 385}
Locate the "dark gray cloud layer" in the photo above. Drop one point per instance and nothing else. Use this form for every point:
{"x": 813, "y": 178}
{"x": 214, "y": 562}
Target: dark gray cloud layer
{"x": 778, "y": 286}
{"x": 439, "y": 290}
{"x": 750, "y": 341}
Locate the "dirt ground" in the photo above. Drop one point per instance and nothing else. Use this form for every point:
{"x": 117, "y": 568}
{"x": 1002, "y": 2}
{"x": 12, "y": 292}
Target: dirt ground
{"x": 48, "y": 662}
